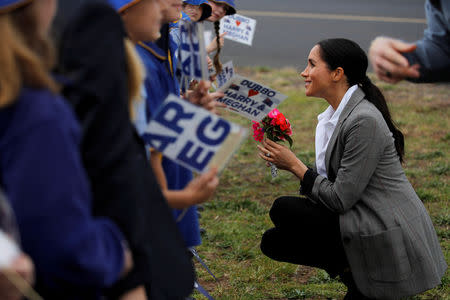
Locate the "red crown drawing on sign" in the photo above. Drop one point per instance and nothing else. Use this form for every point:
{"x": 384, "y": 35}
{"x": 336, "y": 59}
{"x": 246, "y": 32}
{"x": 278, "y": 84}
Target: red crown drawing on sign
{"x": 252, "y": 93}
{"x": 238, "y": 23}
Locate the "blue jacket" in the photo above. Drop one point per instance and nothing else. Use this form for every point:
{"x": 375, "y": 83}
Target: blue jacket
{"x": 174, "y": 29}
{"x": 159, "y": 83}
{"x": 433, "y": 50}
{"x": 74, "y": 254}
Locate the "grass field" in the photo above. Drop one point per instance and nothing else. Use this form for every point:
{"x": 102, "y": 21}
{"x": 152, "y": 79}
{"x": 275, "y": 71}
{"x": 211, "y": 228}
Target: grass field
{"x": 238, "y": 215}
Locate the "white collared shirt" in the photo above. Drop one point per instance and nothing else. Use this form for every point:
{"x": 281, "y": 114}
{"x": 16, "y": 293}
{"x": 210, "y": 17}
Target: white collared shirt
{"x": 325, "y": 128}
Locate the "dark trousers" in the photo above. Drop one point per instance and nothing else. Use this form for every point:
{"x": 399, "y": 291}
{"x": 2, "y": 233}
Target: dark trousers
{"x": 305, "y": 233}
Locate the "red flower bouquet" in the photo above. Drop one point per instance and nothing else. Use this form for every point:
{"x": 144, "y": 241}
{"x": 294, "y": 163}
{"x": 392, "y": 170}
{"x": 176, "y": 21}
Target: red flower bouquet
{"x": 275, "y": 126}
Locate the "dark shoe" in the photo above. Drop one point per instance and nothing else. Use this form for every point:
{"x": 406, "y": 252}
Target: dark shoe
{"x": 202, "y": 231}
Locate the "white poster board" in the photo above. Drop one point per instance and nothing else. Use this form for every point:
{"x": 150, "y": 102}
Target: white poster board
{"x": 239, "y": 28}
{"x": 192, "y": 52}
{"x": 249, "y": 98}
{"x": 8, "y": 250}
{"x": 226, "y": 74}
{"x": 192, "y": 136}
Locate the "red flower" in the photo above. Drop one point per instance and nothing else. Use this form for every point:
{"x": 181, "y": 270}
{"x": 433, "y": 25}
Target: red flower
{"x": 275, "y": 126}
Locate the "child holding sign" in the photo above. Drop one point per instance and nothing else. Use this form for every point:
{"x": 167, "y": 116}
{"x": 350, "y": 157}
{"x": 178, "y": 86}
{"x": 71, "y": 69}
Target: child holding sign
{"x": 175, "y": 181}
{"x": 220, "y": 9}
{"x": 197, "y": 10}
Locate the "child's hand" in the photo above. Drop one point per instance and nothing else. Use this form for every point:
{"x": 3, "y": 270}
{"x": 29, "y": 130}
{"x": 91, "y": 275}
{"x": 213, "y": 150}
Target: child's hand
{"x": 213, "y": 45}
{"x": 203, "y": 187}
{"x": 201, "y": 97}
{"x": 23, "y": 266}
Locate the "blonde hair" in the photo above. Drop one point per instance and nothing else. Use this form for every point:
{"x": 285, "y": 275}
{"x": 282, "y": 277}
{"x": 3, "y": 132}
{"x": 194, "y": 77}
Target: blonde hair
{"x": 135, "y": 74}
{"x": 26, "y": 57}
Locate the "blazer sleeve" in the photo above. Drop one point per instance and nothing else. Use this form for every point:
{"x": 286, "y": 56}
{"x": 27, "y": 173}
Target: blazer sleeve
{"x": 50, "y": 195}
{"x": 364, "y": 142}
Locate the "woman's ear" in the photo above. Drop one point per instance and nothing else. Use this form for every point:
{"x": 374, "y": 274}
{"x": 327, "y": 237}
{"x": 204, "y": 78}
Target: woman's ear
{"x": 338, "y": 74}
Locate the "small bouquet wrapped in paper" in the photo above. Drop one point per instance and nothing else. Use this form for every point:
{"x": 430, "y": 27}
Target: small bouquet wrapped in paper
{"x": 276, "y": 128}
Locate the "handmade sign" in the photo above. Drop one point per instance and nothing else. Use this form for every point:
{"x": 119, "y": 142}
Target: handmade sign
{"x": 226, "y": 74}
{"x": 239, "y": 28}
{"x": 192, "y": 136}
{"x": 192, "y": 53}
{"x": 249, "y": 99}
{"x": 8, "y": 250}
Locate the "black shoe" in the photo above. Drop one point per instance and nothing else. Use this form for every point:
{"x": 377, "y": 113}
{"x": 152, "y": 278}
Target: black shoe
{"x": 202, "y": 231}
{"x": 200, "y": 207}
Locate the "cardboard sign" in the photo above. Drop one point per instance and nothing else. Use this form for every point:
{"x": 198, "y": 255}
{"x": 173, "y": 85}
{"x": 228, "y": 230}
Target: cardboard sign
{"x": 226, "y": 74}
{"x": 239, "y": 28}
{"x": 8, "y": 250}
{"x": 192, "y": 136}
{"x": 250, "y": 99}
{"x": 208, "y": 37}
{"x": 192, "y": 52}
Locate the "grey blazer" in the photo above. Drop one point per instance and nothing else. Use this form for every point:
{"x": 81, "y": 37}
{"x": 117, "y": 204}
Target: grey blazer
{"x": 388, "y": 236}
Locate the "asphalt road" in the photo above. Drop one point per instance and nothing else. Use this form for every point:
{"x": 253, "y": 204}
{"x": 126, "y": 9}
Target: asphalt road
{"x": 286, "y": 30}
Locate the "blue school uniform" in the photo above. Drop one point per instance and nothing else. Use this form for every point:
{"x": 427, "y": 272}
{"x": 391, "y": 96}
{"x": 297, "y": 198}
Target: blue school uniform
{"x": 159, "y": 83}
{"x": 10, "y": 5}
{"x": 75, "y": 255}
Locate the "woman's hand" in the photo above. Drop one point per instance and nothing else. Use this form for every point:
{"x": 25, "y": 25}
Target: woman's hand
{"x": 282, "y": 157}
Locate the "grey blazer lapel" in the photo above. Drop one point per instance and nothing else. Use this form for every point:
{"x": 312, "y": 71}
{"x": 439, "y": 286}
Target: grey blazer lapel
{"x": 357, "y": 97}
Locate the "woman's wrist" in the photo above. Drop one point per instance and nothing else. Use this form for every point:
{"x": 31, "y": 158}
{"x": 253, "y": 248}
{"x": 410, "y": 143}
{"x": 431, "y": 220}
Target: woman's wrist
{"x": 299, "y": 169}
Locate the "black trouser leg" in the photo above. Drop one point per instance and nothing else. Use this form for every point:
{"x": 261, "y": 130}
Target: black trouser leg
{"x": 305, "y": 233}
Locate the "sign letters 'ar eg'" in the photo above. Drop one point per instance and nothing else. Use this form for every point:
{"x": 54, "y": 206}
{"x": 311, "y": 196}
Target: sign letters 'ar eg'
{"x": 249, "y": 99}
{"x": 192, "y": 53}
{"x": 239, "y": 28}
{"x": 192, "y": 136}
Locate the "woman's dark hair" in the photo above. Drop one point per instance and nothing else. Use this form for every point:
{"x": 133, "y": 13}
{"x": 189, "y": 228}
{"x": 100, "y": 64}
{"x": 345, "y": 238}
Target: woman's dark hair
{"x": 217, "y": 63}
{"x": 349, "y": 56}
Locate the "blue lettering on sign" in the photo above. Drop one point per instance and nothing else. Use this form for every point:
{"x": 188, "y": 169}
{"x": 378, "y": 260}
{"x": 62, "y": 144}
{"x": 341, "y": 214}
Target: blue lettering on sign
{"x": 178, "y": 114}
{"x": 187, "y": 66}
{"x": 157, "y": 141}
{"x": 190, "y": 51}
{"x": 197, "y": 65}
{"x": 192, "y": 160}
{"x": 221, "y": 126}
{"x": 184, "y": 39}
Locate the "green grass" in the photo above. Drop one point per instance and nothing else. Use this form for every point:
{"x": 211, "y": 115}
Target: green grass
{"x": 238, "y": 215}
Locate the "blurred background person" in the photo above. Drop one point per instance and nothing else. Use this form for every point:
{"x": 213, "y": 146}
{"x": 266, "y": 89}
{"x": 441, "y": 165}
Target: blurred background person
{"x": 75, "y": 255}
{"x": 427, "y": 60}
